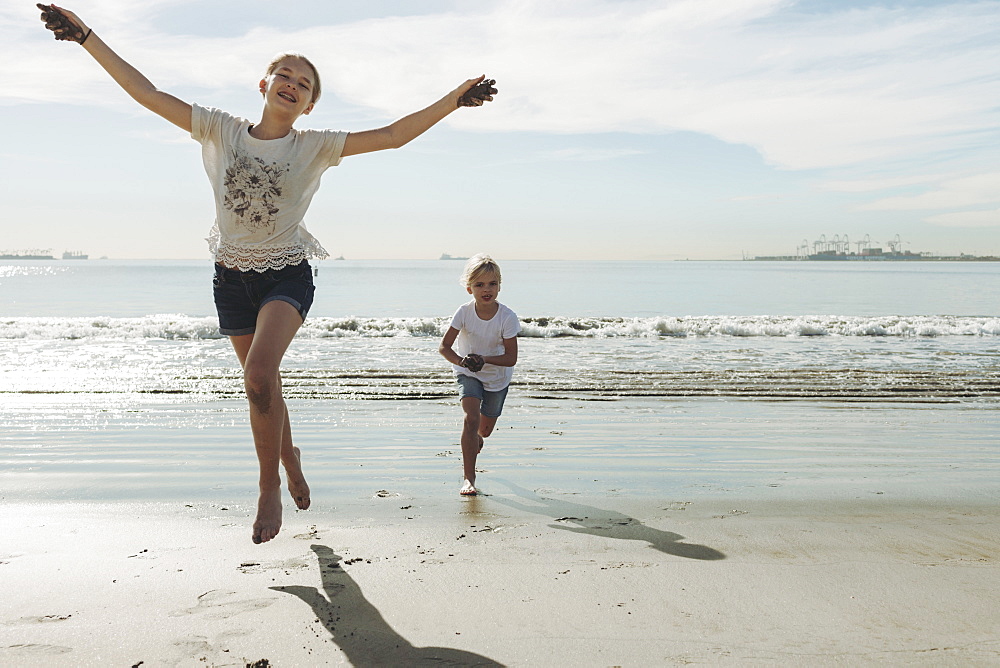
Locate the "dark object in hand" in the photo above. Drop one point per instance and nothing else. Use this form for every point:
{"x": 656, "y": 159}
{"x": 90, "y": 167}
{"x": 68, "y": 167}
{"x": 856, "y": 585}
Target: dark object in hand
{"x": 480, "y": 91}
{"x": 473, "y": 362}
{"x": 61, "y": 27}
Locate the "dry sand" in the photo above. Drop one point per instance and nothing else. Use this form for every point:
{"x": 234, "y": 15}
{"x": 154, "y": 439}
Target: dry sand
{"x": 514, "y": 578}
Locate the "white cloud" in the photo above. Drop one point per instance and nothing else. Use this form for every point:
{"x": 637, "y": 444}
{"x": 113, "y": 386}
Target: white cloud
{"x": 162, "y": 135}
{"x": 843, "y": 87}
{"x": 807, "y": 90}
{"x": 586, "y": 154}
{"x": 987, "y": 218}
{"x": 956, "y": 193}
{"x": 874, "y": 184}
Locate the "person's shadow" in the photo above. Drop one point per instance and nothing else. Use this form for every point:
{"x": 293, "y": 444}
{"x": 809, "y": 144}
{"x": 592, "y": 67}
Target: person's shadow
{"x": 604, "y": 523}
{"x": 360, "y": 630}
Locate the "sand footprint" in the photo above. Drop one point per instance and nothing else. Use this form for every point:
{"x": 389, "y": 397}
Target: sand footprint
{"x": 218, "y": 604}
{"x": 33, "y": 650}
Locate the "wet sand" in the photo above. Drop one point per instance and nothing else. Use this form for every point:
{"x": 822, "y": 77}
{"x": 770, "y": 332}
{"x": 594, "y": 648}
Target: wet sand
{"x": 622, "y": 534}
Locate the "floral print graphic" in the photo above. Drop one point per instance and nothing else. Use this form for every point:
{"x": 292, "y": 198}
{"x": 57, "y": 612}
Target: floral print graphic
{"x": 251, "y": 188}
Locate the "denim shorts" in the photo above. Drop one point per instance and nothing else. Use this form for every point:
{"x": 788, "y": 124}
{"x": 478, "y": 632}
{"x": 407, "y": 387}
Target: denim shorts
{"x": 491, "y": 402}
{"x": 239, "y": 295}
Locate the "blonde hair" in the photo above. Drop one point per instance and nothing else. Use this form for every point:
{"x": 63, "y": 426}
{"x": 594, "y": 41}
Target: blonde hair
{"x": 477, "y": 266}
{"x": 317, "y": 87}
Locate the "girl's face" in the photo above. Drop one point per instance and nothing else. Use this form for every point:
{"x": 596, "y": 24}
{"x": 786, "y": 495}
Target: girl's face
{"x": 484, "y": 288}
{"x": 289, "y": 87}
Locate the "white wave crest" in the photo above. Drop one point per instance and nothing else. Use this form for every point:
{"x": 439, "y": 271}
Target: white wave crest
{"x": 175, "y": 326}
{"x": 168, "y": 326}
{"x": 372, "y": 327}
{"x": 762, "y": 325}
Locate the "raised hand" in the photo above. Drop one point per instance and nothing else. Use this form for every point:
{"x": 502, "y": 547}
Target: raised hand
{"x": 479, "y": 94}
{"x": 65, "y": 25}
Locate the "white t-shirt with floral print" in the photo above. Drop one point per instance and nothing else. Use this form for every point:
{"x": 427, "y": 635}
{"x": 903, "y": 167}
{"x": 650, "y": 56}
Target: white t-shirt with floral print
{"x": 262, "y": 189}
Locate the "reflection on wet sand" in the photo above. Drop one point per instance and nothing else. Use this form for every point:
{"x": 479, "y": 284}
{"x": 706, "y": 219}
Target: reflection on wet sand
{"x": 604, "y": 523}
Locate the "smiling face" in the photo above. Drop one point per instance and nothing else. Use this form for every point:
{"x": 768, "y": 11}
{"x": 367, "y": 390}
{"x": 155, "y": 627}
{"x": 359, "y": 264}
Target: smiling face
{"x": 484, "y": 288}
{"x": 291, "y": 85}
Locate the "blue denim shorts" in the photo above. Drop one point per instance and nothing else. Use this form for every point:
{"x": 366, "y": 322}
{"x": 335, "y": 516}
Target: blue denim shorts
{"x": 491, "y": 402}
{"x": 239, "y": 295}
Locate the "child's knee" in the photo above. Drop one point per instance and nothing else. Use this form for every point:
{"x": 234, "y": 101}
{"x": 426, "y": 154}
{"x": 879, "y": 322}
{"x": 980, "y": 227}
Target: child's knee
{"x": 472, "y": 421}
{"x": 486, "y": 425}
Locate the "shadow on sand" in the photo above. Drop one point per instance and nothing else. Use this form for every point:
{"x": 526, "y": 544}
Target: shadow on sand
{"x": 604, "y": 523}
{"x": 359, "y": 629}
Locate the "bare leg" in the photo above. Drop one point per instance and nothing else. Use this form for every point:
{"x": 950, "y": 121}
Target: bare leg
{"x": 276, "y": 326}
{"x": 486, "y": 424}
{"x": 291, "y": 459}
{"x": 472, "y": 443}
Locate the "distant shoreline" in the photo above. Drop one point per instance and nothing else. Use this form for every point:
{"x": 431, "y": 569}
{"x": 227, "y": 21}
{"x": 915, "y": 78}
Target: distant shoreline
{"x": 874, "y": 258}
{"x": 758, "y": 258}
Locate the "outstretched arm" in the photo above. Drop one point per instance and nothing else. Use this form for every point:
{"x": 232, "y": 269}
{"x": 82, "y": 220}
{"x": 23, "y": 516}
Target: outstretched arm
{"x": 130, "y": 79}
{"x": 472, "y": 93}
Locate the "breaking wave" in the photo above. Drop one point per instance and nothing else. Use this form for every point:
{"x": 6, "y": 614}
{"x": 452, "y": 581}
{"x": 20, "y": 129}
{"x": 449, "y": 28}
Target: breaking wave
{"x": 175, "y": 326}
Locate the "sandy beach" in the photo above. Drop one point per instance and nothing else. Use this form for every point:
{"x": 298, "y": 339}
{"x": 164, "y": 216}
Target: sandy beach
{"x": 634, "y": 532}
{"x": 787, "y": 546}
{"x": 508, "y": 579}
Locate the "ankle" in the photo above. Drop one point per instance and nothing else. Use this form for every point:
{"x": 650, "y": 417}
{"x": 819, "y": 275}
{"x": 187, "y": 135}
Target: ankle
{"x": 270, "y": 485}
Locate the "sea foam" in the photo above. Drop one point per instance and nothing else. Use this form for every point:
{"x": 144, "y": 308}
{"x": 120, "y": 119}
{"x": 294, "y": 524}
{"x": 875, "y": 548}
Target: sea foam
{"x": 175, "y": 326}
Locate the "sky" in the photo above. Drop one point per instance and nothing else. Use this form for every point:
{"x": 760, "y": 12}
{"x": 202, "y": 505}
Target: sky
{"x": 622, "y": 130}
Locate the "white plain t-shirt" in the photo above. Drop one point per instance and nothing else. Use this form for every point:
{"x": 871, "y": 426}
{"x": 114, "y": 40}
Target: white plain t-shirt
{"x": 485, "y": 337}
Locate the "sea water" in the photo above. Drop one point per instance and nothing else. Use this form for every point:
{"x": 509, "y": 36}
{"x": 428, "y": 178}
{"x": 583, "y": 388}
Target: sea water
{"x": 430, "y": 288}
{"x": 115, "y": 382}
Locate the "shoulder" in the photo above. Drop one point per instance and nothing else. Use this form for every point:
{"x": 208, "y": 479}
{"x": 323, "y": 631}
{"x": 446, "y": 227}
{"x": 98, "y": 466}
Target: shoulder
{"x": 205, "y": 120}
{"x": 322, "y": 136}
{"x": 510, "y": 325}
{"x": 213, "y": 113}
{"x": 462, "y": 312}
{"x": 329, "y": 142}
{"x": 506, "y": 313}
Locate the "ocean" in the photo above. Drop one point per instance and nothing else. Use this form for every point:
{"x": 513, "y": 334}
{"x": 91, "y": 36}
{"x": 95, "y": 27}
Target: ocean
{"x": 115, "y": 383}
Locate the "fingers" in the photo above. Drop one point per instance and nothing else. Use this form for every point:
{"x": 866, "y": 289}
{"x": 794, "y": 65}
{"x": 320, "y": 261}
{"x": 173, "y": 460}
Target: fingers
{"x": 69, "y": 15}
{"x": 481, "y": 91}
{"x": 473, "y": 362}
{"x": 59, "y": 22}
{"x": 50, "y": 16}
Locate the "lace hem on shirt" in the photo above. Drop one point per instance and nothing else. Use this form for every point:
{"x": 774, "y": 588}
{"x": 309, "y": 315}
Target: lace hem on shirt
{"x": 262, "y": 258}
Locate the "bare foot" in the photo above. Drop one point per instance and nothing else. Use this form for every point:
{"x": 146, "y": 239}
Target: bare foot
{"x": 297, "y": 485}
{"x": 468, "y": 489}
{"x": 268, "y": 521}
